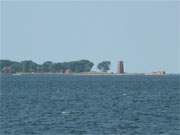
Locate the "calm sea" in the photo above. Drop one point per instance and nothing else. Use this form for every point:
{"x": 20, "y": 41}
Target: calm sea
{"x": 90, "y": 105}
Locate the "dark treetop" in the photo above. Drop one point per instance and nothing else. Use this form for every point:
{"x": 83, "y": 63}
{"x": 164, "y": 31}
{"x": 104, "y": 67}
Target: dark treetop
{"x": 28, "y": 66}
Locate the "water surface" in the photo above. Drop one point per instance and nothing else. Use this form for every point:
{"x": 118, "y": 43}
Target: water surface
{"x": 90, "y": 105}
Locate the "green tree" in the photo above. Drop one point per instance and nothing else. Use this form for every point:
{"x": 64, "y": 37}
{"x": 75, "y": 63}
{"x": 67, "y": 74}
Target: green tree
{"x": 14, "y": 66}
{"x": 79, "y": 66}
{"x": 5, "y": 63}
{"x": 47, "y": 66}
{"x": 17, "y": 67}
{"x": 29, "y": 66}
{"x": 57, "y": 67}
{"x": 104, "y": 66}
{"x": 87, "y": 65}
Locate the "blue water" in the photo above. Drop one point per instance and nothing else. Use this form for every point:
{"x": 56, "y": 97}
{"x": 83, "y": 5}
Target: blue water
{"x": 90, "y": 105}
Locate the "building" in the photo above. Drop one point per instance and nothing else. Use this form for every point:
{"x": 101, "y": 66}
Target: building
{"x": 7, "y": 70}
{"x": 68, "y": 71}
{"x": 120, "y": 68}
{"x": 161, "y": 72}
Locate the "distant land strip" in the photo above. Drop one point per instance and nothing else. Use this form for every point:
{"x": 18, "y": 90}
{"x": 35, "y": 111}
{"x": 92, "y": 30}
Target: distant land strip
{"x": 28, "y": 66}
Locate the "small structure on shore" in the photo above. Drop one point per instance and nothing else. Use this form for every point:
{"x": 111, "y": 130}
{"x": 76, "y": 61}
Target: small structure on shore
{"x": 68, "y": 71}
{"x": 161, "y": 72}
{"x": 7, "y": 70}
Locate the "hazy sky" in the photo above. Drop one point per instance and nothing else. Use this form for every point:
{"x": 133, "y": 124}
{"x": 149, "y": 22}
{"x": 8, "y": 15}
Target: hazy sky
{"x": 142, "y": 34}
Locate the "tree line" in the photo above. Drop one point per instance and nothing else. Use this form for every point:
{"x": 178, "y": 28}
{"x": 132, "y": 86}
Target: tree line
{"x": 28, "y": 66}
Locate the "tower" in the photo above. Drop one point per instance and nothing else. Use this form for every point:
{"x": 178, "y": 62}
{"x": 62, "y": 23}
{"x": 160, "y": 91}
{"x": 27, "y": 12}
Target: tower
{"x": 120, "y": 69}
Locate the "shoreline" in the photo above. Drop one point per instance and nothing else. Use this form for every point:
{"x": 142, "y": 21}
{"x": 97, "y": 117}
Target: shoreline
{"x": 90, "y": 74}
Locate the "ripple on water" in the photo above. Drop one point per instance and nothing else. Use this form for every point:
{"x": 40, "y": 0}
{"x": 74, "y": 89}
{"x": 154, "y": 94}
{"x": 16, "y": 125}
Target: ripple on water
{"x": 127, "y": 105}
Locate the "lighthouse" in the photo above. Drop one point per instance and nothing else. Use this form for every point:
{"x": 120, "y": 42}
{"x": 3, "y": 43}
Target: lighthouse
{"x": 120, "y": 67}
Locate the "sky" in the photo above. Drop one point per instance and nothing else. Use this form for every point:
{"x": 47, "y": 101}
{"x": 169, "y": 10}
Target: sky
{"x": 144, "y": 34}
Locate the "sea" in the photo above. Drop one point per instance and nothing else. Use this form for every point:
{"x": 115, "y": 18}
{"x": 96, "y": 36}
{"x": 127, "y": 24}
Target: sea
{"x": 90, "y": 105}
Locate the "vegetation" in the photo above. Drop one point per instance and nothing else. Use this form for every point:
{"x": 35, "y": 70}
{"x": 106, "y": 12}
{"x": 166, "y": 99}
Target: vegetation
{"x": 104, "y": 66}
{"x": 29, "y": 66}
